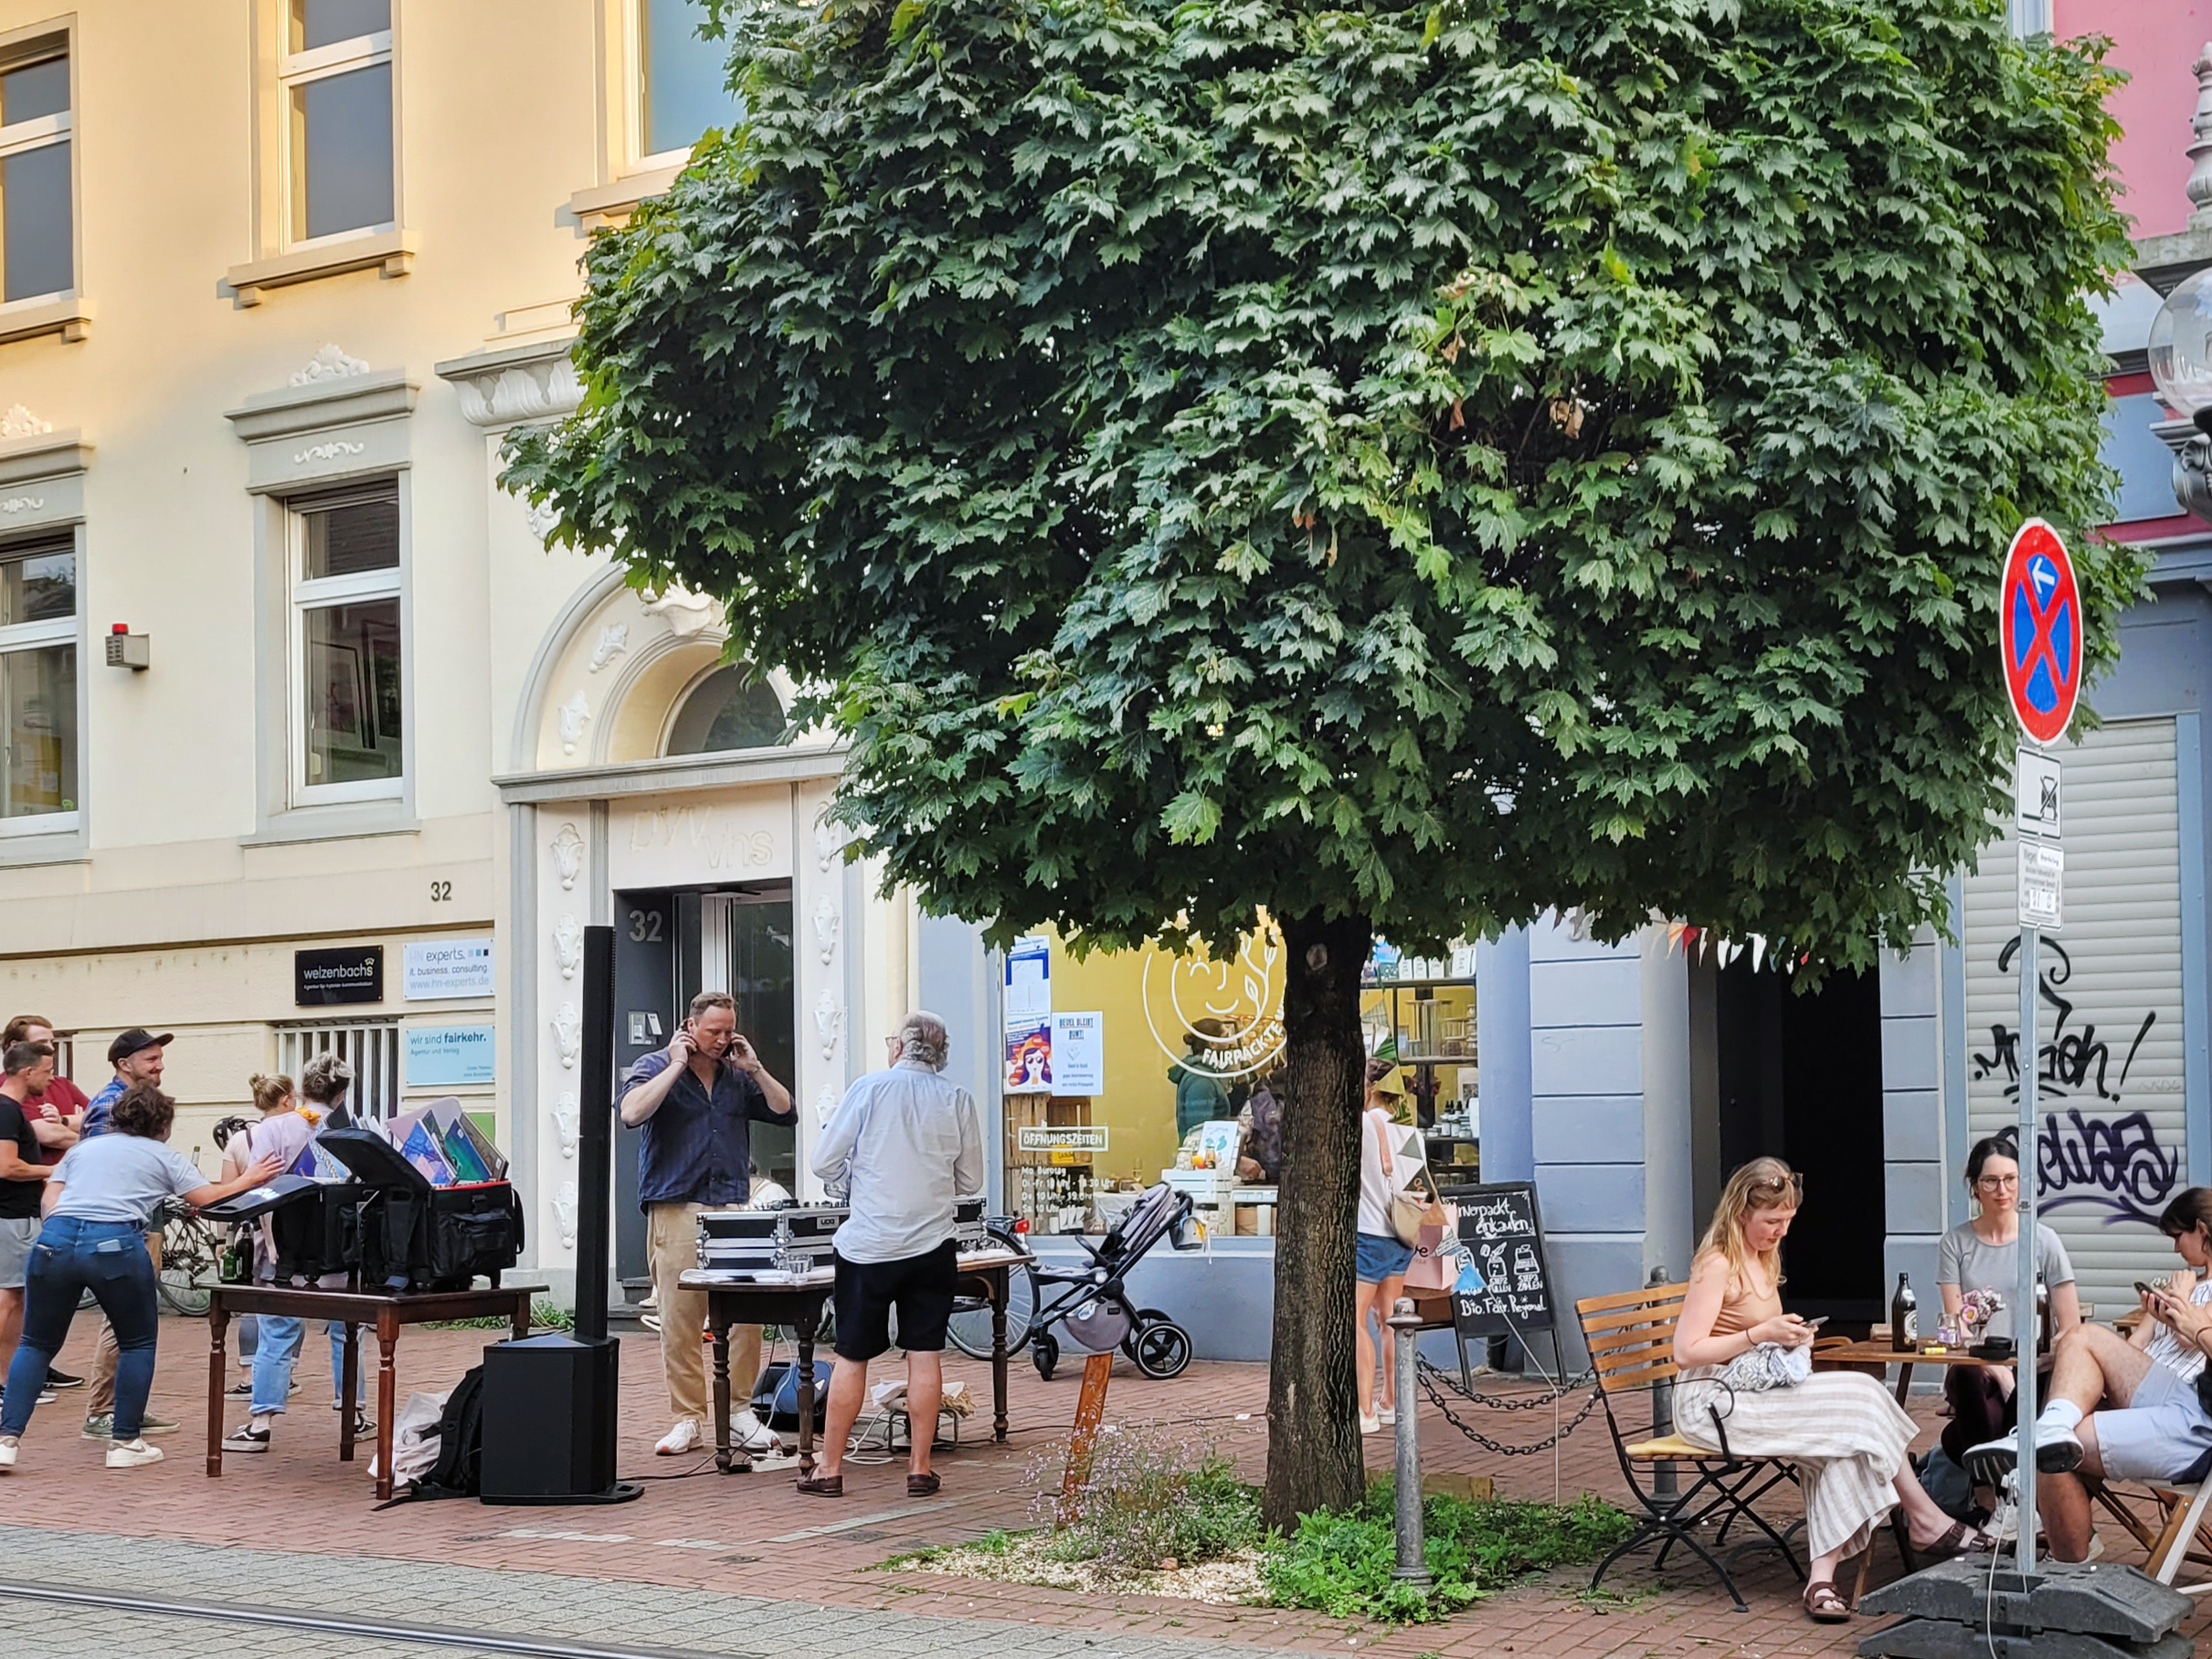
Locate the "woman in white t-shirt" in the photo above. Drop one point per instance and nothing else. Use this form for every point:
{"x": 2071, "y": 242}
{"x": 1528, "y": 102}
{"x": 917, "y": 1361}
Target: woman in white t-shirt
{"x": 99, "y": 1202}
{"x": 1391, "y": 1160}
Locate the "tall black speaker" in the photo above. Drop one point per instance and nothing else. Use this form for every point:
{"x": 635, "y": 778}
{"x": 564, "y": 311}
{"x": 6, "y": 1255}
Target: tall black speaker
{"x": 550, "y": 1403}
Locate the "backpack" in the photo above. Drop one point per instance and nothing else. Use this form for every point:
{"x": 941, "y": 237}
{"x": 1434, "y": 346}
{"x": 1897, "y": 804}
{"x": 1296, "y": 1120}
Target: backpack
{"x": 458, "y": 1471}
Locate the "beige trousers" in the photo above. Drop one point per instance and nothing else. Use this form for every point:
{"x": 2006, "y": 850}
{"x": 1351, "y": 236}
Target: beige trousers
{"x": 672, "y": 1247}
{"x": 104, "y": 1351}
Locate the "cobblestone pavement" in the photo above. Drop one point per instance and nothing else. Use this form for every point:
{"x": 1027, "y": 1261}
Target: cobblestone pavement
{"x": 743, "y": 1564}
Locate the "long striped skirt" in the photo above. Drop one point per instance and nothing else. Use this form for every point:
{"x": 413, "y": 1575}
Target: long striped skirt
{"x": 1841, "y": 1431}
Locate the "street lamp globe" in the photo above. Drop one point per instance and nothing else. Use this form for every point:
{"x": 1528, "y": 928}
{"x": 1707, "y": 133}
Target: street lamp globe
{"x": 2181, "y": 347}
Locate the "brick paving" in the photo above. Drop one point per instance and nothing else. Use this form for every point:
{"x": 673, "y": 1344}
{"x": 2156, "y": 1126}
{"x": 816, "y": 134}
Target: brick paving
{"x": 739, "y": 1543}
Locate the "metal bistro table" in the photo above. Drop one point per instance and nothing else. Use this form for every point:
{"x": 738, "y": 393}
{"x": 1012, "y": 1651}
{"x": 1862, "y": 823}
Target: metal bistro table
{"x": 796, "y": 1300}
{"x": 384, "y": 1312}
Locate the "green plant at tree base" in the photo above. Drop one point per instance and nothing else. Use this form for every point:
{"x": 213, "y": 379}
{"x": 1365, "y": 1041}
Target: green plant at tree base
{"x": 1341, "y": 1563}
{"x": 1145, "y": 1500}
{"x": 1397, "y": 466}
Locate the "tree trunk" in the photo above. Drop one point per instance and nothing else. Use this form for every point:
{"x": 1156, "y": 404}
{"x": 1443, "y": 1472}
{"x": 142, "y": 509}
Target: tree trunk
{"x": 1313, "y": 1412}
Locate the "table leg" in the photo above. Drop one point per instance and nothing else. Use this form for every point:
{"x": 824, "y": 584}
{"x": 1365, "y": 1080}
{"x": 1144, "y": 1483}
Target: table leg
{"x": 219, "y": 1326}
{"x": 1904, "y": 1382}
{"x": 387, "y": 1397}
{"x": 1001, "y": 1283}
{"x": 808, "y": 1322}
{"x": 349, "y": 1389}
{"x": 719, "y": 1324}
{"x": 522, "y": 1314}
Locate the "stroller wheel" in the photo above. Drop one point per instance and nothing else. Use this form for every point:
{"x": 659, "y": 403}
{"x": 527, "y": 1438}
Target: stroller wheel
{"x": 1138, "y": 1318}
{"x": 1162, "y": 1348}
{"x": 1044, "y": 1351}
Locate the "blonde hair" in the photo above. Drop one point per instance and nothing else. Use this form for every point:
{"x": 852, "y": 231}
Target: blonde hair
{"x": 270, "y": 1092}
{"x": 1764, "y": 1183}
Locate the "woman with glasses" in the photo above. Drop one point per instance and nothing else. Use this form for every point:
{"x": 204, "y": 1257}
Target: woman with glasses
{"x": 1840, "y": 1430}
{"x": 1984, "y": 1255}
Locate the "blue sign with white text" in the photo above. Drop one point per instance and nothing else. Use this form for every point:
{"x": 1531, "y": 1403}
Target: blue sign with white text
{"x": 450, "y": 1056}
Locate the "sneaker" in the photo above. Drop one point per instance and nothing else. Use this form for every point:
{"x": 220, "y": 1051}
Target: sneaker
{"x": 45, "y": 1396}
{"x": 684, "y": 1437}
{"x": 133, "y": 1455}
{"x": 364, "y": 1424}
{"x": 749, "y": 1433}
{"x": 652, "y": 1322}
{"x": 102, "y": 1427}
{"x": 62, "y": 1379}
{"x": 241, "y": 1391}
{"x": 1369, "y": 1423}
{"x": 1387, "y": 1417}
{"x": 247, "y": 1438}
{"x": 151, "y": 1424}
{"x": 8, "y": 1452}
{"x": 2058, "y": 1452}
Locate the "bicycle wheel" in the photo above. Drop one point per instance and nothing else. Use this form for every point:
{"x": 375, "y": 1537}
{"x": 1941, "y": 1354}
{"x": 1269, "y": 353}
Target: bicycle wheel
{"x": 971, "y": 1326}
{"x": 191, "y": 1256}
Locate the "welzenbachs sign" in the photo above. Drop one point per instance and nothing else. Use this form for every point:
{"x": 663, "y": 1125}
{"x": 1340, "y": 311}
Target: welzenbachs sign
{"x": 353, "y": 973}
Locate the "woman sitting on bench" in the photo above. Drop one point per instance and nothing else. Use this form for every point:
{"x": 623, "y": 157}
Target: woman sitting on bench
{"x": 1840, "y": 1430}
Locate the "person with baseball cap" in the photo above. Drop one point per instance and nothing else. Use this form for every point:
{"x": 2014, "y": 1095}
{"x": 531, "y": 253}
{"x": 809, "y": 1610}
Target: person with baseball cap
{"x": 136, "y": 1055}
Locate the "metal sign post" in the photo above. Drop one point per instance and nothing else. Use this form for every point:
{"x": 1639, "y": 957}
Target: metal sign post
{"x": 2039, "y": 635}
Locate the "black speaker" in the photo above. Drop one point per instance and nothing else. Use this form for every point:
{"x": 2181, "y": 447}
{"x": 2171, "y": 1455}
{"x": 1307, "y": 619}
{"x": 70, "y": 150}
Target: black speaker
{"x": 550, "y": 1411}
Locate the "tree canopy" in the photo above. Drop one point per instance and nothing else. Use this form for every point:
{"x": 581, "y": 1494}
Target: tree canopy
{"x": 1423, "y": 461}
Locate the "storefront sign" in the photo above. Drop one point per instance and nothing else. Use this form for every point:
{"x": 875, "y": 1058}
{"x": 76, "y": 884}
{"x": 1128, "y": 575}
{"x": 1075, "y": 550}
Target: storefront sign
{"x": 450, "y": 1056}
{"x": 1507, "y": 1286}
{"x": 446, "y": 967}
{"x": 1027, "y": 1004}
{"x": 1233, "y": 1007}
{"x": 1061, "y": 1137}
{"x": 322, "y": 978}
{"x": 1079, "y": 1054}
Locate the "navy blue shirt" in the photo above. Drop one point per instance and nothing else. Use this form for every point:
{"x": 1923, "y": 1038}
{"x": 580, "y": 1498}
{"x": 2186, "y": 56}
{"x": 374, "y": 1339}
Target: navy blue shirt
{"x": 697, "y": 1150}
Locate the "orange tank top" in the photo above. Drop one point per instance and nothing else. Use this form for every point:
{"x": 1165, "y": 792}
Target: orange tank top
{"x": 1746, "y": 1307}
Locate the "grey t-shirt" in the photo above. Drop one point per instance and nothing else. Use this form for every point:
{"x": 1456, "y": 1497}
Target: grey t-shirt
{"x": 1965, "y": 1260}
{"x": 121, "y": 1177}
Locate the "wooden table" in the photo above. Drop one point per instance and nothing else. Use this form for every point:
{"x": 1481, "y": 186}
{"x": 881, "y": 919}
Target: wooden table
{"x": 796, "y": 1300}
{"x": 380, "y": 1309}
{"x": 1848, "y": 1356}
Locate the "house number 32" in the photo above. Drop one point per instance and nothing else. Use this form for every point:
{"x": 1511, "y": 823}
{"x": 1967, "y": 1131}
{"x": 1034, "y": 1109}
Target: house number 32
{"x": 441, "y": 893}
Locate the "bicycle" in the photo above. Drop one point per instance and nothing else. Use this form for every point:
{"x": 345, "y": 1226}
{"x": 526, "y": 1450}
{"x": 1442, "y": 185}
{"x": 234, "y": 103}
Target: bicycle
{"x": 192, "y": 1255}
{"x": 971, "y": 1326}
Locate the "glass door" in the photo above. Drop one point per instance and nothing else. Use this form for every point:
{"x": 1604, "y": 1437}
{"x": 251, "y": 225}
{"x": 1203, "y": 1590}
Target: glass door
{"x": 745, "y": 948}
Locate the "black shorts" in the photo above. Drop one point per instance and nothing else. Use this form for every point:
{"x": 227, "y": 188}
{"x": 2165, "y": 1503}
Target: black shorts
{"x": 920, "y": 1288}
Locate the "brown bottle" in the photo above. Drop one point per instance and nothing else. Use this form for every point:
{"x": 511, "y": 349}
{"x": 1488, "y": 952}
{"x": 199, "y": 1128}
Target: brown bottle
{"x": 1904, "y": 1318}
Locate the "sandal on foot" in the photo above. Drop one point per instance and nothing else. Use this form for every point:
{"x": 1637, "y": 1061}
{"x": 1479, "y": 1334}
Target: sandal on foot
{"x": 823, "y": 1486}
{"x": 1959, "y": 1540}
{"x": 1823, "y": 1604}
{"x": 922, "y": 1486}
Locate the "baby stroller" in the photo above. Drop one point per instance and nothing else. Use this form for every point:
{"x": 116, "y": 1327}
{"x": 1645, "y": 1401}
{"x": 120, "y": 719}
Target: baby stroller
{"x": 1092, "y": 1299}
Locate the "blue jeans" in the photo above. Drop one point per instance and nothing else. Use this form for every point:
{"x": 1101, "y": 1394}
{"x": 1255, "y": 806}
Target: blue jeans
{"x": 275, "y": 1353}
{"x": 72, "y": 1256}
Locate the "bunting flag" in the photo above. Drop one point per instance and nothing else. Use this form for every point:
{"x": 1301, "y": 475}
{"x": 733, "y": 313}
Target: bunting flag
{"x": 1758, "y": 951}
{"x": 1388, "y": 1048}
{"x": 1674, "y": 930}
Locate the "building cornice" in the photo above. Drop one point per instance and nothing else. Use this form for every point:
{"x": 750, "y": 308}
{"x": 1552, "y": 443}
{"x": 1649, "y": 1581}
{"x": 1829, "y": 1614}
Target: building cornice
{"x": 516, "y": 382}
{"x": 673, "y": 774}
{"x": 42, "y": 455}
{"x": 317, "y": 404}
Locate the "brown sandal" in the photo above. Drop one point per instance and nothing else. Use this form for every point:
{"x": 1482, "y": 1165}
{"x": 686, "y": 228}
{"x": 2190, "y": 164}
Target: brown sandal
{"x": 823, "y": 1486}
{"x": 1959, "y": 1540}
{"x": 922, "y": 1485}
{"x": 1823, "y": 1604}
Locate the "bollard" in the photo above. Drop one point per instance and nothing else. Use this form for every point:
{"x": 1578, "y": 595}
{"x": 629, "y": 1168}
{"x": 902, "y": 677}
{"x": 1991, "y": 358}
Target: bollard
{"x": 1412, "y": 1545}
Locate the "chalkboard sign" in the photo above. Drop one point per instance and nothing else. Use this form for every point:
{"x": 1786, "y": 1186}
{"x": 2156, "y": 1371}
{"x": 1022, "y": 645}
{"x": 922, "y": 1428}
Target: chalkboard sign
{"x": 1500, "y": 1227}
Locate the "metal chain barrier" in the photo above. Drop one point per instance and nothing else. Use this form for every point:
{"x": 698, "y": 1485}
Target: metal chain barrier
{"x": 1433, "y": 1388}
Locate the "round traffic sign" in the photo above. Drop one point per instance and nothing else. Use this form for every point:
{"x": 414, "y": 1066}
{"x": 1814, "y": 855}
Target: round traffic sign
{"x": 2039, "y": 626}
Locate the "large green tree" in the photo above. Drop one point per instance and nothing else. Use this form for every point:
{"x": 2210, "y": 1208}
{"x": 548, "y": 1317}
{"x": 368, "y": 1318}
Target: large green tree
{"x": 1404, "y": 466}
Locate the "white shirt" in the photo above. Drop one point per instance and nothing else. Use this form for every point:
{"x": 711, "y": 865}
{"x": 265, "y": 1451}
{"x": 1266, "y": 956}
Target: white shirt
{"x": 2184, "y": 1358}
{"x": 903, "y": 1147}
{"x": 1407, "y": 1162}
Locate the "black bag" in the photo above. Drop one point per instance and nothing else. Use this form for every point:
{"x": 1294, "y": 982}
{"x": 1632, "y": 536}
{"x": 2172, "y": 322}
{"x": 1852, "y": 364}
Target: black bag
{"x": 414, "y": 1236}
{"x": 459, "y": 1471}
{"x": 319, "y": 1235}
{"x": 776, "y": 1396}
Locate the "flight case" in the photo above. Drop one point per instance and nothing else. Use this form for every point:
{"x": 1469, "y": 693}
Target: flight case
{"x": 414, "y": 1236}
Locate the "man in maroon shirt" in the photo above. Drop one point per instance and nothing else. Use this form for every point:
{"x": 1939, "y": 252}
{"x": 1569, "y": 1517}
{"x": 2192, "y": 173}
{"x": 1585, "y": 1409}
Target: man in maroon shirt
{"x": 56, "y": 1114}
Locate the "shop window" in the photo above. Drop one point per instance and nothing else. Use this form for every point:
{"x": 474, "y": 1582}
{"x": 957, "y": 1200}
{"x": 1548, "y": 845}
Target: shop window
{"x": 38, "y": 685}
{"x": 732, "y": 708}
{"x": 38, "y": 236}
{"x": 370, "y": 1046}
{"x": 349, "y": 685}
{"x": 683, "y": 80}
{"x": 339, "y": 164}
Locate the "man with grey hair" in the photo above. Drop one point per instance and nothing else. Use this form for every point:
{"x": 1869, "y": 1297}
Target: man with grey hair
{"x": 902, "y": 1149}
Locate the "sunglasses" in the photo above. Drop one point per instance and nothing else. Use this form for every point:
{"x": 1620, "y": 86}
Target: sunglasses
{"x": 1793, "y": 1182}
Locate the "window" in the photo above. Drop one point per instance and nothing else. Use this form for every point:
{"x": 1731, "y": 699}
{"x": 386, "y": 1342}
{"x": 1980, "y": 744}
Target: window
{"x": 38, "y": 685}
{"x": 370, "y": 1046}
{"x": 38, "y": 240}
{"x": 730, "y": 709}
{"x": 682, "y": 78}
{"x": 337, "y": 89}
{"x": 346, "y": 645}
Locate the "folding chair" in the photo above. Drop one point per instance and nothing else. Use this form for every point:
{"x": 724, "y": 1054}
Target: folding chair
{"x": 2178, "y": 1536}
{"x": 1631, "y": 1339}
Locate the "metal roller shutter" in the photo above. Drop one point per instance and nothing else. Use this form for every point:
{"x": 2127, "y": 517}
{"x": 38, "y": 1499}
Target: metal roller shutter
{"x": 2109, "y": 1035}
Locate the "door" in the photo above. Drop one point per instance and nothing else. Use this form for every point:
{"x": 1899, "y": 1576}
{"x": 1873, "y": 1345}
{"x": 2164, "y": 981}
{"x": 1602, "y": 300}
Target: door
{"x": 645, "y": 1016}
{"x": 2110, "y": 1151}
{"x": 745, "y": 948}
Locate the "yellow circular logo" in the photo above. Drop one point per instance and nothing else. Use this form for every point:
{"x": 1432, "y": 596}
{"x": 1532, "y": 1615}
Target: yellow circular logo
{"x": 1235, "y": 1007}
